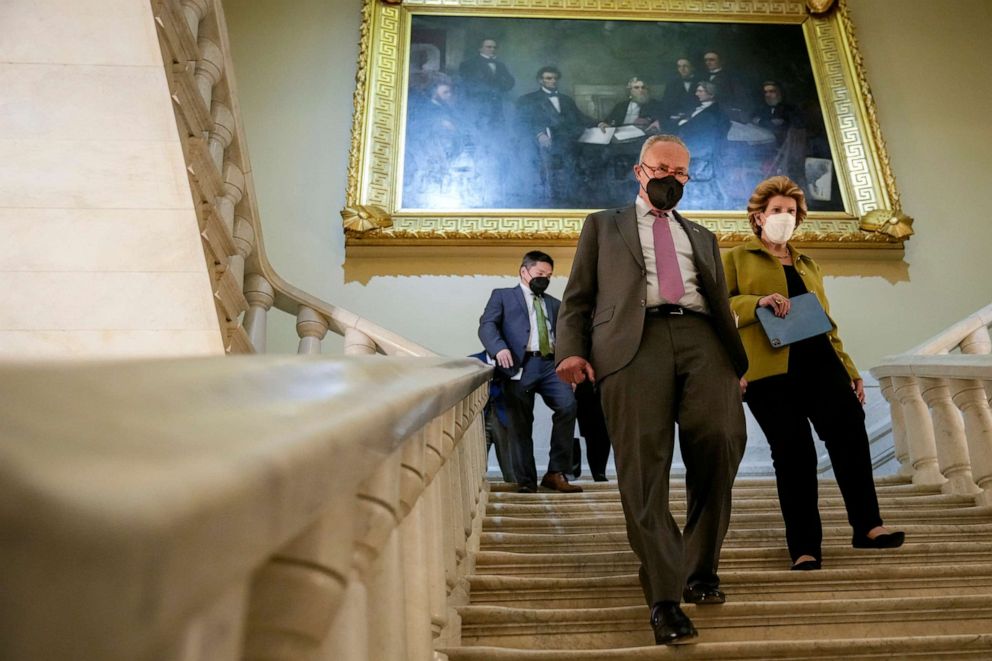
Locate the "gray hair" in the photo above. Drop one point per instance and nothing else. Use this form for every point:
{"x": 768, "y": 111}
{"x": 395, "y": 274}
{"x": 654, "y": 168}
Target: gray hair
{"x": 635, "y": 79}
{"x": 661, "y": 137}
{"x": 708, "y": 86}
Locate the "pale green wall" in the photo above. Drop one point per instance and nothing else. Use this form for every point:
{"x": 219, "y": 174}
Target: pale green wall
{"x": 926, "y": 64}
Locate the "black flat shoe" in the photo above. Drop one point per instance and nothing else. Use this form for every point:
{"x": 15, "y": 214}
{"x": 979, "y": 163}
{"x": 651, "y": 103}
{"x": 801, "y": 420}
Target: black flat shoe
{"x": 671, "y": 626}
{"x": 600, "y": 477}
{"x": 889, "y": 540}
{"x": 806, "y": 565}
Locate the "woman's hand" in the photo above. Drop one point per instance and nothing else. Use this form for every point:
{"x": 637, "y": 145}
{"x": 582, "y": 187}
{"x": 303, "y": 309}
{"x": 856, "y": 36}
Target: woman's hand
{"x": 858, "y": 386}
{"x": 779, "y": 304}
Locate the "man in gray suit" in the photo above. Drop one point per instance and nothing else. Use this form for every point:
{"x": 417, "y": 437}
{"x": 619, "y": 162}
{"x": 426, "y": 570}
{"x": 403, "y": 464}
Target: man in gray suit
{"x": 645, "y": 314}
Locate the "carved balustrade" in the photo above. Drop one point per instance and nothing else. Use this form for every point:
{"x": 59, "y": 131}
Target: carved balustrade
{"x": 939, "y": 394}
{"x": 197, "y": 57}
{"x": 274, "y": 508}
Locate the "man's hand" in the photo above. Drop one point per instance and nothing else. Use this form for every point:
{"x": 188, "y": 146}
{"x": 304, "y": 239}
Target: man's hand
{"x": 543, "y": 139}
{"x": 504, "y": 359}
{"x": 575, "y": 370}
{"x": 743, "y": 385}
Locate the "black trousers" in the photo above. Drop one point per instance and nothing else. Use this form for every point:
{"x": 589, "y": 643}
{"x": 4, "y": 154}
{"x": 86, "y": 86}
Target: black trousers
{"x": 784, "y": 407}
{"x": 592, "y": 427}
{"x": 539, "y": 378}
{"x": 680, "y": 374}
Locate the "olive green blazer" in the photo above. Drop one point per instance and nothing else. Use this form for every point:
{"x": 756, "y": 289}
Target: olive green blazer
{"x": 752, "y": 273}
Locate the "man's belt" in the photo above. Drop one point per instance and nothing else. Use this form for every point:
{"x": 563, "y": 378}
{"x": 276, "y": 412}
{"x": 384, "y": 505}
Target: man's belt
{"x": 668, "y": 310}
{"x": 537, "y": 354}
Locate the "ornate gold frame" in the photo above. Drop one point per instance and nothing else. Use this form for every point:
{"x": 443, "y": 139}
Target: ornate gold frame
{"x": 873, "y": 216}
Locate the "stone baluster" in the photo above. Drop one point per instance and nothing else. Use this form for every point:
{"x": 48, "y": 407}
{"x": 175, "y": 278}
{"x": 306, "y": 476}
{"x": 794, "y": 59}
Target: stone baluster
{"x": 919, "y": 432}
{"x": 460, "y": 519}
{"x": 234, "y": 190}
{"x": 434, "y": 528}
{"x": 296, "y": 595}
{"x": 413, "y": 534}
{"x": 899, "y": 443}
{"x": 194, "y": 11}
{"x": 260, "y": 296}
{"x": 949, "y": 436}
{"x": 244, "y": 243}
{"x": 311, "y": 327}
{"x": 971, "y": 398}
{"x": 386, "y": 597}
{"x": 209, "y": 69}
{"x": 351, "y": 634}
{"x": 222, "y": 133}
{"x": 357, "y": 343}
{"x": 977, "y": 342}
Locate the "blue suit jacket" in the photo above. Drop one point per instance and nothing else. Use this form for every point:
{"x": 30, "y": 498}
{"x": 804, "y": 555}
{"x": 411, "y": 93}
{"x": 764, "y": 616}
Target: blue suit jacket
{"x": 505, "y": 324}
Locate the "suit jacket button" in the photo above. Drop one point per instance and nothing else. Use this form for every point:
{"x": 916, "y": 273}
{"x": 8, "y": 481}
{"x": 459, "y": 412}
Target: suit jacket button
{"x": 642, "y": 303}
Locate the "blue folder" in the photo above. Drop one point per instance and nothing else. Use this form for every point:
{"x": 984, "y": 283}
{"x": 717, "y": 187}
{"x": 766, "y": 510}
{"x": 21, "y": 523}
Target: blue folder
{"x": 806, "y": 318}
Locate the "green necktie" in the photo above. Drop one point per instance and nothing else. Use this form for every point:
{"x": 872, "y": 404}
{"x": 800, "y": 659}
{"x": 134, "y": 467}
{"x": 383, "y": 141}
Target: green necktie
{"x": 543, "y": 341}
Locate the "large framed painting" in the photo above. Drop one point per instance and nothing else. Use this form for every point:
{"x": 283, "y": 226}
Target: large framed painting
{"x": 506, "y": 121}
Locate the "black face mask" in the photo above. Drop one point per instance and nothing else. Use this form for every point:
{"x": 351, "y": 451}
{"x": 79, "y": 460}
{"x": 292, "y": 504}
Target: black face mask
{"x": 539, "y": 284}
{"x": 664, "y": 193}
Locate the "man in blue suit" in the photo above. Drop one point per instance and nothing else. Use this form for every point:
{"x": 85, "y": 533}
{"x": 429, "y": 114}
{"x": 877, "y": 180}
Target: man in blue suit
{"x": 517, "y": 329}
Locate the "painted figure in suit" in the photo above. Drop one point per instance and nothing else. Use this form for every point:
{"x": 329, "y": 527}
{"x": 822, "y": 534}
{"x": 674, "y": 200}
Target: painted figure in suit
{"x": 518, "y": 330}
{"x": 645, "y": 314}
{"x": 638, "y": 108}
{"x": 551, "y": 124}
{"x": 485, "y": 82}
{"x": 731, "y": 91}
{"x": 679, "y": 97}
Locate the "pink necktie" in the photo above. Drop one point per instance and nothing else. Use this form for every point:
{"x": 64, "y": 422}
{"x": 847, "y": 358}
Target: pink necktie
{"x": 670, "y": 284}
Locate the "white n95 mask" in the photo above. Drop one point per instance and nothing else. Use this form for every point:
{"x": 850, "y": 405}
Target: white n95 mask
{"x": 778, "y": 227}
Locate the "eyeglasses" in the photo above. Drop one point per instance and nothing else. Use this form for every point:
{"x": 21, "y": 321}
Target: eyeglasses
{"x": 661, "y": 169}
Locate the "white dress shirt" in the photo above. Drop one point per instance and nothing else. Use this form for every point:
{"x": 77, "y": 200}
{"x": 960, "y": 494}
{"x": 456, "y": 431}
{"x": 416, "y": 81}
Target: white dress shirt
{"x": 693, "y": 298}
{"x": 533, "y": 344}
{"x": 633, "y": 112}
{"x": 553, "y": 98}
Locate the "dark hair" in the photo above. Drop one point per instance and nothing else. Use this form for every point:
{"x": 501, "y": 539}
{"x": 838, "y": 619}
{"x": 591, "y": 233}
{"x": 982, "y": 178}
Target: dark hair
{"x": 535, "y": 256}
{"x": 548, "y": 69}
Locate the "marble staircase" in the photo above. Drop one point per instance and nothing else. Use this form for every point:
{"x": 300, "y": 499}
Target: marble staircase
{"x": 555, "y": 579}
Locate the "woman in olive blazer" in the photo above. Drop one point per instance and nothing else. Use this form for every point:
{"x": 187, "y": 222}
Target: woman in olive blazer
{"x": 810, "y": 381}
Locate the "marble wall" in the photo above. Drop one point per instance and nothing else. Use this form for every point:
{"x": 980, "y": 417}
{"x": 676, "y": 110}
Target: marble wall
{"x": 100, "y": 253}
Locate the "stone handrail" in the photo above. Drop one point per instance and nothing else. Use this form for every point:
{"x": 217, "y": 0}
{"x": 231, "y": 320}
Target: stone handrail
{"x": 197, "y": 56}
{"x": 273, "y": 507}
{"x": 940, "y": 407}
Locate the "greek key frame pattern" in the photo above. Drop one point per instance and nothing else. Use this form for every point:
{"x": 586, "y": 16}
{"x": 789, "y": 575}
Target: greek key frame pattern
{"x": 863, "y": 187}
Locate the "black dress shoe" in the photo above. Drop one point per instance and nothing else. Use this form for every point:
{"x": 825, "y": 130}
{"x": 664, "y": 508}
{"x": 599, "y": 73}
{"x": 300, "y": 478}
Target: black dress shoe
{"x": 703, "y": 595}
{"x": 671, "y": 626}
{"x": 806, "y": 565}
{"x": 600, "y": 477}
{"x": 888, "y": 540}
{"x": 526, "y": 488}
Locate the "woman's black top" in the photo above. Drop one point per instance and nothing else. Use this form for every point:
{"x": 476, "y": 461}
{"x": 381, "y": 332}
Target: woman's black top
{"x": 814, "y": 355}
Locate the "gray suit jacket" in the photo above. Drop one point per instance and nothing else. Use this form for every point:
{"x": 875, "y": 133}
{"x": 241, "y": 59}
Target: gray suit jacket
{"x": 602, "y": 312}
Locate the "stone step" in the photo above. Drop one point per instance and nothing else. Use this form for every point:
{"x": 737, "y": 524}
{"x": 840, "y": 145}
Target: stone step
{"x": 743, "y": 489}
{"x": 928, "y": 648}
{"x": 747, "y": 585}
{"x": 618, "y": 627}
{"x": 740, "y": 485}
{"x": 621, "y": 562}
{"x": 739, "y": 519}
{"x": 562, "y": 508}
{"x": 737, "y": 537}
